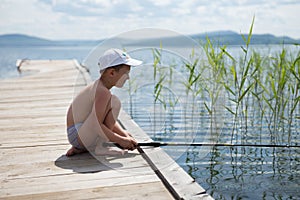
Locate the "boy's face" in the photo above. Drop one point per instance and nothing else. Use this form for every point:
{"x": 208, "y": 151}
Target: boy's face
{"x": 122, "y": 75}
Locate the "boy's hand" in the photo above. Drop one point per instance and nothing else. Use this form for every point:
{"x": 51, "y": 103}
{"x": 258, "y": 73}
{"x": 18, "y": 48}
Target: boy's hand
{"x": 128, "y": 143}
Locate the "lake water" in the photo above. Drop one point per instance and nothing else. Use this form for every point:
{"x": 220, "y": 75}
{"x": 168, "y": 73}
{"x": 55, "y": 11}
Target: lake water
{"x": 225, "y": 172}
{"x": 9, "y": 56}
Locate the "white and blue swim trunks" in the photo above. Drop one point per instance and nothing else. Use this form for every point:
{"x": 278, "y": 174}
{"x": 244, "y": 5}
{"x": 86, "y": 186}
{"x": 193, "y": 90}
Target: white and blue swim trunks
{"x": 73, "y": 135}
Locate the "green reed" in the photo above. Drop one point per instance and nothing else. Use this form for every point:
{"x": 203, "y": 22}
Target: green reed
{"x": 258, "y": 110}
{"x": 243, "y": 82}
{"x": 277, "y": 99}
{"x": 259, "y": 89}
{"x": 192, "y": 86}
{"x": 294, "y": 88}
{"x": 255, "y": 90}
{"x": 132, "y": 88}
{"x": 281, "y": 90}
{"x": 193, "y": 75}
{"x": 214, "y": 83}
{"x": 157, "y": 53}
{"x": 164, "y": 100}
{"x": 158, "y": 76}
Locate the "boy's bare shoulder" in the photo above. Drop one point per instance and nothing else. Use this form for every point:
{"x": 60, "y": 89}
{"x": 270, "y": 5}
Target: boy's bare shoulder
{"x": 102, "y": 92}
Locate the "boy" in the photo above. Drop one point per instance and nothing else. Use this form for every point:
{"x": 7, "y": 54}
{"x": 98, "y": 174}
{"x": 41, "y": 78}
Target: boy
{"x": 92, "y": 116}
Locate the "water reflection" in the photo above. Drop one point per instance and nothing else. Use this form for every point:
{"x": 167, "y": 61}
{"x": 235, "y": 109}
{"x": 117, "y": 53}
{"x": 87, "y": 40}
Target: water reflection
{"x": 247, "y": 173}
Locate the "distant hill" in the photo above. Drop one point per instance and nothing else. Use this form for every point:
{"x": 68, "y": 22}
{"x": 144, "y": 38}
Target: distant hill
{"x": 22, "y": 40}
{"x": 219, "y": 37}
{"x": 233, "y": 38}
{"x": 25, "y": 40}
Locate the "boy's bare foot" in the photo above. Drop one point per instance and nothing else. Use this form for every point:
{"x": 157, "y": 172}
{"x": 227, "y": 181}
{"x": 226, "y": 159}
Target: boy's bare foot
{"x": 102, "y": 151}
{"x": 73, "y": 151}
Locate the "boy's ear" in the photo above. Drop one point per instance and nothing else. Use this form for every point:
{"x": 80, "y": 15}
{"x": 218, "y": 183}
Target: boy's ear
{"x": 111, "y": 72}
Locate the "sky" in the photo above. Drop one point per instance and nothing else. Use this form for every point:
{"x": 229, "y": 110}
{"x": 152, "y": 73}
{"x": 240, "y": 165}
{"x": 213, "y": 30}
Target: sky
{"x": 100, "y": 19}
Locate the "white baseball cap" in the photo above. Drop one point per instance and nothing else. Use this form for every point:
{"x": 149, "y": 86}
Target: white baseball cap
{"x": 113, "y": 57}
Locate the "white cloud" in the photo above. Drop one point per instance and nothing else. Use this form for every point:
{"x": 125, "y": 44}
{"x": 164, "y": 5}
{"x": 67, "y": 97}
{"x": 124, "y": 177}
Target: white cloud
{"x": 28, "y": 17}
{"x": 161, "y": 3}
{"x": 96, "y": 19}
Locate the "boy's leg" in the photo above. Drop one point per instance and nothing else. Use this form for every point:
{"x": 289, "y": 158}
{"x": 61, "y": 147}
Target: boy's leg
{"x": 112, "y": 115}
{"x": 91, "y": 131}
{"x": 110, "y": 120}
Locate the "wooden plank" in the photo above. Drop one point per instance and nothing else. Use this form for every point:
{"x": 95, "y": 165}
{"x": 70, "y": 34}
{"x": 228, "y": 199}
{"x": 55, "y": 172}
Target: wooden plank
{"x": 40, "y": 85}
{"x": 145, "y": 191}
{"x": 64, "y": 171}
{"x": 71, "y": 182}
{"x": 36, "y": 103}
{"x": 85, "y": 163}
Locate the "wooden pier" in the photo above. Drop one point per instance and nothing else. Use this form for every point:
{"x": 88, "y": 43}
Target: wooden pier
{"x": 33, "y": 143}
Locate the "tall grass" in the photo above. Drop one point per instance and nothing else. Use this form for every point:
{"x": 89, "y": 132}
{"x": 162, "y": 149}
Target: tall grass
{"x": 257, "y": 92}
{"x": 214, "y": 85}
{"x": 260, "y": 89}
{"x": 164, "y": 100}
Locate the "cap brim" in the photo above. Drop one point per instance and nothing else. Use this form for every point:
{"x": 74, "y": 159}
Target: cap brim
{"x": 133, "y": 62}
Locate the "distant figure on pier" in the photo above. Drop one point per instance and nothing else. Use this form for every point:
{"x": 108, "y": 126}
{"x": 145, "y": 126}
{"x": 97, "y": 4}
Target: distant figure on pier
{"x": 92, "y": 116}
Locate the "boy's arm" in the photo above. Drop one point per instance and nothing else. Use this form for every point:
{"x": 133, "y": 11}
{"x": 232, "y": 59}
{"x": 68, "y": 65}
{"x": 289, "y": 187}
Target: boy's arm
{"x": 119, "y": 130}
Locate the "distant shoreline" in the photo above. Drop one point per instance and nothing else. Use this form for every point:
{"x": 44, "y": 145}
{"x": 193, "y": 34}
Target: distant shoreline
{"x": 10, "y": 54}
{"x": 220, "y": 37}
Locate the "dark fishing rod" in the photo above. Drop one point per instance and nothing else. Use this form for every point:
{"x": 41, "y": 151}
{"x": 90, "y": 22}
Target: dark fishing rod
{"x": 159, "y": 144}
